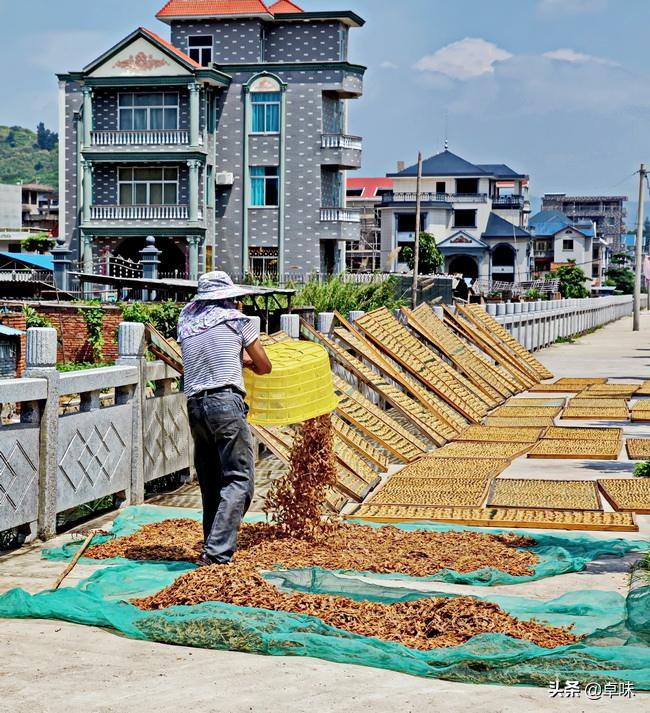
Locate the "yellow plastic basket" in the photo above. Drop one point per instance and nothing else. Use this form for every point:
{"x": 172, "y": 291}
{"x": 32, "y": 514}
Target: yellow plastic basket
{"x": 300, "y": 386}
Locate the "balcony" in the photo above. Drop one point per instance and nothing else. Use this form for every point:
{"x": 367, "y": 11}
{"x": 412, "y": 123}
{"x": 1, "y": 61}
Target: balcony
{"x": 340, "y": 224}
{"x": 139, "y": 212}
{"x": 150, "y": 140}
{"x": 428, "y": 197}
{"x": 339, "y": 215}
{"x": 341, "y": 150}
{"x": 513, "y": 202}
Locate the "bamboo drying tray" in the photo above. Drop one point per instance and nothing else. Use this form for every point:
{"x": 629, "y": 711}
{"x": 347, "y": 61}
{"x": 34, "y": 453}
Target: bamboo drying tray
{"x": 453, "y": 468}
{"x": 576, "y": 450}
{"x": 627, "y": 494}
{"x": 544, "y": 494}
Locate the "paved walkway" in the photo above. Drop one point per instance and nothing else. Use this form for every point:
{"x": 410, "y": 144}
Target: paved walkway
{"x": 58, "y": 667}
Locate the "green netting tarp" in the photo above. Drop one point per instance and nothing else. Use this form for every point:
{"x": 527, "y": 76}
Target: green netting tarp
{"x": 558, "y": 554}
{"x": 616, "y": 646}
{"x": 612, "y": 654}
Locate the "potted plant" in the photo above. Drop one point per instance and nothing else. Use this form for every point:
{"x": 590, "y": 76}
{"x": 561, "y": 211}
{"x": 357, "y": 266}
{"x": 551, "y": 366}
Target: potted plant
{"x": 494, "y": 297}
{"x": 533, "y": 295}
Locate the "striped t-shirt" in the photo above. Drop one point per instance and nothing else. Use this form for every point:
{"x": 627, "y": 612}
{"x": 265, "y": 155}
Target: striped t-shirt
{"x": 214, "y": 358}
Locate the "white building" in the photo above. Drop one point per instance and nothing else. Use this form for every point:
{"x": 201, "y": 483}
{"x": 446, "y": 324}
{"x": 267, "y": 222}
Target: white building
{"x": 477, "y": 213}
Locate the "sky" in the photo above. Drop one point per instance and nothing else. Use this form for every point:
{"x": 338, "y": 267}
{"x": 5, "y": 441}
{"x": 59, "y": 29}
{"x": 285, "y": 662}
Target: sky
{"x": 557, "y": 89}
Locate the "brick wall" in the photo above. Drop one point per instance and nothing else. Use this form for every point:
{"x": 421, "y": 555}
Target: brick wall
{"x": 17, "y": 321}
{"x": 71, "y": 328}
{"x": 73, "y": 332}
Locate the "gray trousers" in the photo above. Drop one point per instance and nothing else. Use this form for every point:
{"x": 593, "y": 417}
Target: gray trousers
{"x": 225, "y": 466}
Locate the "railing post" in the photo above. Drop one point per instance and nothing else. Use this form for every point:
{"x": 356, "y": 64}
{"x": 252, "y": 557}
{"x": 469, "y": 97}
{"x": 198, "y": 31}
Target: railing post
{"x": 149, "y": 262}
{"x": 41, "y": 363}
{"x": 131, "y": 348}
{"x": 290, "y": 323}
{"x": 61, "y": 265}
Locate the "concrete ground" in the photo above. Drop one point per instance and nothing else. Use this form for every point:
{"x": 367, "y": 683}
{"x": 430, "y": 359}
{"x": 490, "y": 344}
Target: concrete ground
{"x": 56, "y": 667}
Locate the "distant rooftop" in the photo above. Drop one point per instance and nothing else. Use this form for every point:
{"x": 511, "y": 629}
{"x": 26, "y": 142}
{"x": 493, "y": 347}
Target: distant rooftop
{"x": 447, "y": 163}
{"x": 281, "y": 10}
{"x": 582, "y": 199}
{"x": 369, "y": 187}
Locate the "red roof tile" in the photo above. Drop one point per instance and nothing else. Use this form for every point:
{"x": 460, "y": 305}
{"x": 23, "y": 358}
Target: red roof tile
{"x": 282, "y": 6}
{"x": 208, "y": 8}
{"x": 170, "y": 47}
{"x": 370, "y": 186}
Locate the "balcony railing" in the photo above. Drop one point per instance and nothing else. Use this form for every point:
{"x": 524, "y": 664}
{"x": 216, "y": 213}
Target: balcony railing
{"x": 139, "y": 212}
{"x": 514, "y": 202}
{"x": 341, "y": 141}
{"x": 158, "y": 137}
{"x": 537, "y": 252}
{"x": 428, "y": 197}
{"x": 339, "y": 215}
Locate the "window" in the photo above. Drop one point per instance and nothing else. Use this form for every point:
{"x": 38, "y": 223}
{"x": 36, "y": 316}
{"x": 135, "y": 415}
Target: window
{"x": 148, "y": 186}
{"x": 343, "y": 43}
{"x": 567, "y": 245}
{"x": 148, "y": 111}
{"x": 266, "y": 112}
{"x": 467, "y": 186}
{"x": 354, "y": 192}
{"x": 263, "y": 261}
{"x": 199, "y": 48}
{"x": 406, "y": 222}
{"x": 441, "y": 187}
{"x": 209, "y": 187}
{"x": 464, "y": 219}
{"x": 265, "y": 186}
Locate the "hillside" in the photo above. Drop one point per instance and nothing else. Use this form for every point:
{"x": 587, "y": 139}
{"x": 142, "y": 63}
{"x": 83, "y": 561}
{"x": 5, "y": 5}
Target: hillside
{"x": 21, "y": 159}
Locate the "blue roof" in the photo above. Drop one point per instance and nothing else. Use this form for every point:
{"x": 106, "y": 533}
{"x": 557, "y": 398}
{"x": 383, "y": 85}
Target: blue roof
{"x": 498, "y": 227}
{"x": 548, "y": 222}
{"x": 500, "y": 170}
{"x": 10, "y": 331}
{"x": 42, "y": 262}
{"x": 447, "y": 163}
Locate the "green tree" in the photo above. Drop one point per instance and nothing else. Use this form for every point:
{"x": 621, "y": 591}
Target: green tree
{"x": 619, "y": 259}
{"x": 46, "y": 139}
{"x": 572, "y": 280}
{"x": 623, "y": 279}
{"x": 38, "y": 244}
{"x": 430, "y": 258}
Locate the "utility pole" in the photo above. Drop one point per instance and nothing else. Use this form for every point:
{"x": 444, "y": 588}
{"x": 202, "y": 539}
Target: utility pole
{"x": 416, "y": 247}
{"x": 639, "y": 252}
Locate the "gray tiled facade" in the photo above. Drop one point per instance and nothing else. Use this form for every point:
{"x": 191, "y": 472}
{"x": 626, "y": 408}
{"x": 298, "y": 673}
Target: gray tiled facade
{"x": 309, "y": 59}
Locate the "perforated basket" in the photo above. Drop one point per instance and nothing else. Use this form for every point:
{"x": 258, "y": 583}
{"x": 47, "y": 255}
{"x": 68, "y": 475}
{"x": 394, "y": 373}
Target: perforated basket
{"x": 299, "y": 387}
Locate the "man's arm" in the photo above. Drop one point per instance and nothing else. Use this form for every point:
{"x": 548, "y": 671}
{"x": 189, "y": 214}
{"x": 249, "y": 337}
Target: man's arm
{"x": 256, "y": 360}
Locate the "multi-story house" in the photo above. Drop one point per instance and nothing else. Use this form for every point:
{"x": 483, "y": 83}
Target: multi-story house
{"x": 557, "y": 240}
{"x": 607, "y": 212}
{"x": 477, "y": 213}
{"x": 40, "y": 207}
{"x": 228, "y": 144}
{"x": 365, "y": 195}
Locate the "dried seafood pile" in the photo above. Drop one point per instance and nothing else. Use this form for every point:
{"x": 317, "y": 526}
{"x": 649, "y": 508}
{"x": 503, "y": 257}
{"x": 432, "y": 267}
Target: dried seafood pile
{"x": 354, "y": 547}
{"x": 423, "y": 624}
{"x": 296, "y": 500}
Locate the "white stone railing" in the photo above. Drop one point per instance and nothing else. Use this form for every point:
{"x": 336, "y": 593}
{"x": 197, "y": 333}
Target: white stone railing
{"x": 139, "y": 212}
{"x": 341, "y": 141}
{"x": 158, "y": 137}
{"x": 429, "y": 197}
{"x": 123, "y": 434}
{"x": 539, "y": 324}
{"x": 339, "y": 215}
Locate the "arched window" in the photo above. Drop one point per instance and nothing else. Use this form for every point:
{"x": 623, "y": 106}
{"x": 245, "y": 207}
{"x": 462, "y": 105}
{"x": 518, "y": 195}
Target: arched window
{"x": 266, "y": 99}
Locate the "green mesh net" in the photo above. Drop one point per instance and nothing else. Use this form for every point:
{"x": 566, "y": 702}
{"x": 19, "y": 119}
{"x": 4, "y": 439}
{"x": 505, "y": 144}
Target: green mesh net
{"x": 616, "y": 646}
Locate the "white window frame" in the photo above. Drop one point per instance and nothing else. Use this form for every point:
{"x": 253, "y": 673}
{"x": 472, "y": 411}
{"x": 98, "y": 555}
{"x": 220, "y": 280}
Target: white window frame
{"x": 202, "y": 49}
{"x": 133, "y": 182}
{"x": 148, "y": 108}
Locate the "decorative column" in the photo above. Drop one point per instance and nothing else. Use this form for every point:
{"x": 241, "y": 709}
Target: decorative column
{"x": 41, "y": 353}
{"x": 195, "y": 93}
{"x": 87, "y": 116}
{"x": 87, "y": 242}
{"x": 131, "y": 349}
{"x": 61, "y": 264}
{"x": 193, "y": 166}
{"x": 193, "y": 242}
{"x": 149, "y": 262}
{"x": 87, "y": 168}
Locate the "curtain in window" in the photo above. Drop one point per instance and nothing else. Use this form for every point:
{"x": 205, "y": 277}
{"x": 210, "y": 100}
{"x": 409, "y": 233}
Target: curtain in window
{"x": 266, "y": 112}
{"x": 257, "y": 186}
{"x": 258, "y": 118}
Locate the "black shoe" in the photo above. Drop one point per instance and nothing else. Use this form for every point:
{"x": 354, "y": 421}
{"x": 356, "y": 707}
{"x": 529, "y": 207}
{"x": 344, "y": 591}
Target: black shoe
{"x": 206, "y": 561}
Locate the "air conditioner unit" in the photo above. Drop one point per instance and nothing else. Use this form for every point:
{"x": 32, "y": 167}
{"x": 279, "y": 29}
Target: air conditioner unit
{"x": 225, "y": 178}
